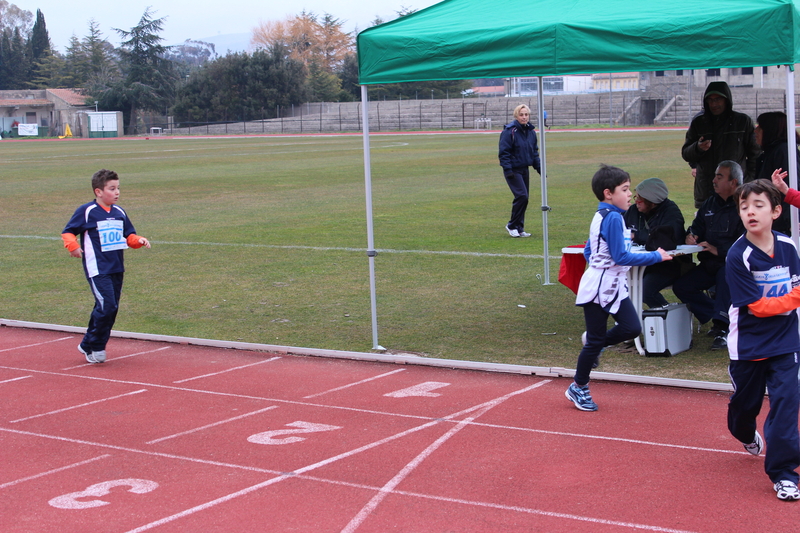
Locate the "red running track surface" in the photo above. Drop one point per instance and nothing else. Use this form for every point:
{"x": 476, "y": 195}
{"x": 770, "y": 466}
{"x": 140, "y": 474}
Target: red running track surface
{"x": 175, "y": 438}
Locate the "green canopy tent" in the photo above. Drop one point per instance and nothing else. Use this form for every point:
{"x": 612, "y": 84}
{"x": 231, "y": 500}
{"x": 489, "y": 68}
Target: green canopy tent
{"x": 470, "y": 39}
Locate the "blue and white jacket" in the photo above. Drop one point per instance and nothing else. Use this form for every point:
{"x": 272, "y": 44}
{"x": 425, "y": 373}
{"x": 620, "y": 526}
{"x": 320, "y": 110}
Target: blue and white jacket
{"x": 608, "y": 253}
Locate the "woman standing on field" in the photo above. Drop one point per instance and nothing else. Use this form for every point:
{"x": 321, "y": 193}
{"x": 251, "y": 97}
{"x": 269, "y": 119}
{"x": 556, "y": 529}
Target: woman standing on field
{"x": 519, "y": 150}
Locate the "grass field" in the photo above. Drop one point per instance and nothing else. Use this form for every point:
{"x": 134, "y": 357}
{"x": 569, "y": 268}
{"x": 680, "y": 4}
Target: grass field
{"x": 263, "y": 240}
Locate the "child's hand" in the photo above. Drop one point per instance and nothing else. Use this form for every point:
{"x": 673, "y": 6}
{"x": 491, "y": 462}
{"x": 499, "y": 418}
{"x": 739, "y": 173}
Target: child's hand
{"x": 76, "y": 253}
{"x": 664, "y": 255}
{"x": 144, "y": 242}
{"x": 777, "y": 180}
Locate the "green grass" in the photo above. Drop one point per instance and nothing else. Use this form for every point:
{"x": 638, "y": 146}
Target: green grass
{"x": 262, "y": 240}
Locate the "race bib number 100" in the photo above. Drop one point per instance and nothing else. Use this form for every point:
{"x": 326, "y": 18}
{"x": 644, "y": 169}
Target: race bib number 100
{"x": 111, "y": 237}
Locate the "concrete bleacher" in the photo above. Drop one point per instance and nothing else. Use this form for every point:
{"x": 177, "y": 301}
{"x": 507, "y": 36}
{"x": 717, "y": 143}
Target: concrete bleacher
{"x": 622, "y": 108}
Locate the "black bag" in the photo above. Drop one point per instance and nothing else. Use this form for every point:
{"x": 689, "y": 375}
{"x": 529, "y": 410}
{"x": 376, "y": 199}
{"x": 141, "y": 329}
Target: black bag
{"x": 661, "y": 237}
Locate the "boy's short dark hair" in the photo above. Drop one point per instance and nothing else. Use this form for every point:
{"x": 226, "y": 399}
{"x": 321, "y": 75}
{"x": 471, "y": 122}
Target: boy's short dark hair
{"x": 760, "y": 186}
{"x": 608, "y": 177}
{"x": 101, "y": 177}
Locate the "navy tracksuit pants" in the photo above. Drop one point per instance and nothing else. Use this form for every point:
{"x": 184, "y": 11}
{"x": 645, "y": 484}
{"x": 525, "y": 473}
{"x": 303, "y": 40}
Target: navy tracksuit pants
{"x": 107, "y": 290}
{"x": 780, "y": 377}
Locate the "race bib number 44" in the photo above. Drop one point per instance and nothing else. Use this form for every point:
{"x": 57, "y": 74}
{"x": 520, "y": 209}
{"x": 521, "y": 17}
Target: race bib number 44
{"x": 111, "y": 237}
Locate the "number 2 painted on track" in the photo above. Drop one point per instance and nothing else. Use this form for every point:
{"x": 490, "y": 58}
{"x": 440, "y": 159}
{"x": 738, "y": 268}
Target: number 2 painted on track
{"x": 70, "y": 501}
{"x": 270, "y": 437}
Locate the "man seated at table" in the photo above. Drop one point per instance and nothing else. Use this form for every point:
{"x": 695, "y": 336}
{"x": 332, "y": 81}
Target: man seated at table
{"x": 656, "y": 221}
{"x": 716, "y": 227}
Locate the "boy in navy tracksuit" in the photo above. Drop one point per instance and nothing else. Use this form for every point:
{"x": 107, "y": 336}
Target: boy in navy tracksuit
{"x": 603, "y": 289}
{"x": 105, "y": 231}
{"x": 763, "y": 272}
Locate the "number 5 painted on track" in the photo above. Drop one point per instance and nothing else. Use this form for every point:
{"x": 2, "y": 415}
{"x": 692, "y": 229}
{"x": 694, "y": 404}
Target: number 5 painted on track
{"x": 70, "y": 501}
{"x": 269, "y": 437}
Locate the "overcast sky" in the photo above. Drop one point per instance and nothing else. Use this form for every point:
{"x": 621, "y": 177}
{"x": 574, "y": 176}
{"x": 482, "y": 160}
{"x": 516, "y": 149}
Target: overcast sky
{"x": 198, "y": 19}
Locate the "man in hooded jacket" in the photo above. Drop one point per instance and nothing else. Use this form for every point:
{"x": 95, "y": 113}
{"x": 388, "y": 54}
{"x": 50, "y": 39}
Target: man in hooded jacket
{"x": 717, "y": 134}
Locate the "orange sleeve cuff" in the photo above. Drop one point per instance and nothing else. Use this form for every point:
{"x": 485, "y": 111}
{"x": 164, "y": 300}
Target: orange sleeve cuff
{"x": 133, "y": 241}
{"x": 775, "y": 306}
{"x": 70, "y": 241}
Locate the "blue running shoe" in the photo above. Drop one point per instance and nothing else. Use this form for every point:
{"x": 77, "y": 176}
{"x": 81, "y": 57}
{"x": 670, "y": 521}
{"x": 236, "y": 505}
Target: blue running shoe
{"x": 581, "y": 397}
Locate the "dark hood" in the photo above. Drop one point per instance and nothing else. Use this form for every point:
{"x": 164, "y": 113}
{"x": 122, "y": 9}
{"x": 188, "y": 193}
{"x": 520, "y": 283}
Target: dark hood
{"x": 721, "y": 88}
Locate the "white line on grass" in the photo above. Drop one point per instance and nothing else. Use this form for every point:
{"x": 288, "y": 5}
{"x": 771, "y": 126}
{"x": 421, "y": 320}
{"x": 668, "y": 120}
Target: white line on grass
{"x": 54, "y": 471}
{"x": 78, "y": 406}
{"x": 315, "y": 248}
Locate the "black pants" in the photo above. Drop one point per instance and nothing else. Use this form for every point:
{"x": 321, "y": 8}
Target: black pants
{"x": 519, "y": 185}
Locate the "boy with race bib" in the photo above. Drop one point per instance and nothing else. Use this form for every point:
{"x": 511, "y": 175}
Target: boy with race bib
{"x": 763, "y": 272}
{"x": 105, "y": 231}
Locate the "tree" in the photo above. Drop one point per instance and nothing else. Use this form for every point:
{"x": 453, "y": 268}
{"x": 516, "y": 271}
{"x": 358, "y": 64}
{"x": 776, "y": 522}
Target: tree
{"x": 14, "y": 63}
{"x": 148, "y": 79}
{"x": 306, "y": 39}
{"x": 49, "y": 72}
{"x": 38, "y": 47}
{"x": 12, "y": 17}
{"x": 242, "y": 86}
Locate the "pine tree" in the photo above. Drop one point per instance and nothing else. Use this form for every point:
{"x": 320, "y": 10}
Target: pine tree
{"x": 148, "y": 79}
{"x": 38, "y": 47}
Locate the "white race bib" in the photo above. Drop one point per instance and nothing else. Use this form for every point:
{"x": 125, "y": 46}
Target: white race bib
{"x": 111, "y": 235}
{"x": 774, "y": 282}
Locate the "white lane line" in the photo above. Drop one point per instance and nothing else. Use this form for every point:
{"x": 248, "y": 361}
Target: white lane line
{"x": 406, "y": 470}
{"x": 322, "y": 463}
{"x": 15, "y": 379}
{"x": 78, "y": 406}
{"x": 539, "y": 512}
{"x": 317, "y": 248}
{"x": 353, "y": 384}
{"x": 143, "y": 452}
{"x": 615, "y": 439}
{"x": 118, "y": 358}
{"x": 37, "y": 344}
{"x": 227, "y": 370}
{"x": 366, "y": 411}
{"x": 201, "y": 428}
{"x": 54, "y": 471}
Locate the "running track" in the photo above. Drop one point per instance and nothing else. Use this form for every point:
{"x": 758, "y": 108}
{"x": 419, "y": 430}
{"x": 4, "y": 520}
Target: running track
{"x": 171, "y": 437}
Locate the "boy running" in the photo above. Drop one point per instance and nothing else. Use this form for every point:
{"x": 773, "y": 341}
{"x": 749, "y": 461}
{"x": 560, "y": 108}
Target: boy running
{"x": 105, "y": 231}
{"x": 603, "y": 289}
{"x": 764, "y": 277}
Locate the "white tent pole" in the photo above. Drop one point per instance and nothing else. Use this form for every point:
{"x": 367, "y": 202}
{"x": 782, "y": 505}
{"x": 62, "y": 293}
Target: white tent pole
{"x": 543, "y": 168}
{"x": 792, "y": 146}
{"x": 371, "y": 253}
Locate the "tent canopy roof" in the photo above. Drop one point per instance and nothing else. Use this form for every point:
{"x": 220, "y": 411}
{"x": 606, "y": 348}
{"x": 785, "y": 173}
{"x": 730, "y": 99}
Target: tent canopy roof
{"x": 470, "y": 39}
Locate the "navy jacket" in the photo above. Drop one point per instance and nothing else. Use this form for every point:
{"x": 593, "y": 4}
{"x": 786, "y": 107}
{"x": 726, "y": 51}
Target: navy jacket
{"x": 717, "y": 222}
{"x": 519, "y": 147}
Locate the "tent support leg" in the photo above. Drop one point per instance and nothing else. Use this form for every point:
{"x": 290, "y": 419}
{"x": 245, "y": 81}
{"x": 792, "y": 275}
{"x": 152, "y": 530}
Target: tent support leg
{"x": 543, "y": 168}
{"x": 371, "y": 253}
{"x": 790, "y": 131}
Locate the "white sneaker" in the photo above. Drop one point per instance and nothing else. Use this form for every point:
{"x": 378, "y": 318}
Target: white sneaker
{"x": 756, "y": 446}
{"x": 524, "y": 234}
{"x": 87, "y": 354}
{"x": 99, "y": 357}
{"x": 512, "y": 232}
{"x": 787, "y": 490}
